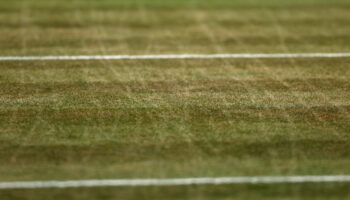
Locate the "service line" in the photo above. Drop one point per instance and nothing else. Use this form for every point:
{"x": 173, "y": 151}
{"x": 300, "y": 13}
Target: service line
{"x": 174, "y": 181}
{"x": 175, "y": 56}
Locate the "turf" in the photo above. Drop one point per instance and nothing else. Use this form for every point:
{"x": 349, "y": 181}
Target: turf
{"x": 174, "y": 118}
{"x": 145, "y": 27}
{"x": 251, "y": 192}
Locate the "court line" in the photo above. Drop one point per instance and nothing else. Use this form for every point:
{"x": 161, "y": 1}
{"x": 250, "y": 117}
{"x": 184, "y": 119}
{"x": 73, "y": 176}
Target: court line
{"x": 174, "y": 181}
{"x": 175, "y": 56}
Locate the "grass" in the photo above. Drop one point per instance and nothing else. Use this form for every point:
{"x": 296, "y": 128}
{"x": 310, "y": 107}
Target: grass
{"x": 299, "y": 191}
{"x": 174, "y": 118}
{"x": 144, "y": 27}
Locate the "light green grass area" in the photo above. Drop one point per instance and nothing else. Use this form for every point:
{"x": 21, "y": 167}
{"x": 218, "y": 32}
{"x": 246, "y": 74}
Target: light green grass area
{"x": 174, "y": 118}
{"x": 146, "y": 27}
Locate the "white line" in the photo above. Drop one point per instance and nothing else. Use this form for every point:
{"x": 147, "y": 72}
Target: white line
{"x": 175, "y": 56}
{"x": 174, "y": 182}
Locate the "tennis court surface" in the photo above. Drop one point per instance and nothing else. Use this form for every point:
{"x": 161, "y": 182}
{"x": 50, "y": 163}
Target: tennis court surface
{"x": 151, "y": 99}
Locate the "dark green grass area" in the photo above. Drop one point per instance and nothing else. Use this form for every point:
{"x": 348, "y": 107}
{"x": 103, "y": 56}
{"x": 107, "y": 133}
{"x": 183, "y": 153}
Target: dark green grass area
{"x": 279, "y": 192}
{"x": 108, "y": 119}
{"x": 174, "y": 118}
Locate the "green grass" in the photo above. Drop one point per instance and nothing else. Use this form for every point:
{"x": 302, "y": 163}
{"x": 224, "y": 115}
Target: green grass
{"x": 144, "y": 27}
{"x": 284, "y": 191}
{"x": 174, "y": 118}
